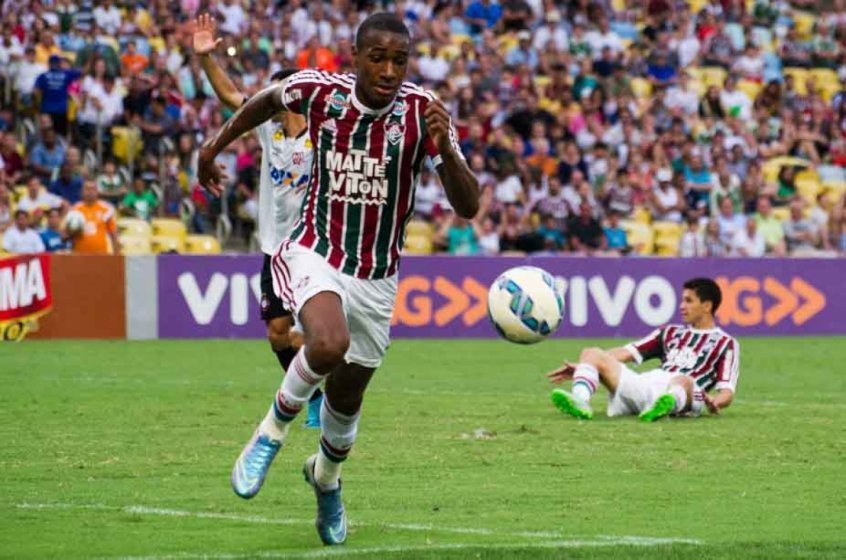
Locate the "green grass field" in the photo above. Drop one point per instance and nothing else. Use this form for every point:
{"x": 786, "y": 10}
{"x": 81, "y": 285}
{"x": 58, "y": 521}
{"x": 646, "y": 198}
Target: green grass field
{"x": 116, "y": 449}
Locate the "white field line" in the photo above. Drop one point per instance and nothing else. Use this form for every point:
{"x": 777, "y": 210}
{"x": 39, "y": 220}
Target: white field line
{"x": 144, "y": 510}
{"x": 376, "y": 551}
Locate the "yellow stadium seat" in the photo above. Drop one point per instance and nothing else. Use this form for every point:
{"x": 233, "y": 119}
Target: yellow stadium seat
{"x": 459, "y": 39}
{"x": 449, "y": 52}
{"x": 167, "y": 244}
{"x": 122, "y": 138}
{"x": 824, "y": 76}
{"x": 157, "y": 44}
{"x": 642, "y": 215}
{"x": 641, "y": 87}
{"x": 668, "y": 246}
{"x": 169, "y": 227}
{"x": 202, "y": 245}
{"x": 808, "y": 188}
{"x": 418, "y": 245}
{"x": 804, "y": 23}
{"x": 750, "y": 88}
{"x": 696, "y": 6}
{"x": 18, "y": 193}
{"x": 540, "y": 82}
{"x": 828, "y": 91}
{"x": 835, "y": 188}
{"x": 2, "y": 252}
{"x": 419, "y": 227}
{"x": 639, "y": 236}
{"x": 713, "y": 75}
{"x": 618, "y": 5}
{"x": 800, "y": 77}
{"x": 134, "y": 227}
{"x": 135, "y": 245}
{"x": 698, "y": 86}
{"x": 781, "y": 213}
{"x": 664, "y": 230}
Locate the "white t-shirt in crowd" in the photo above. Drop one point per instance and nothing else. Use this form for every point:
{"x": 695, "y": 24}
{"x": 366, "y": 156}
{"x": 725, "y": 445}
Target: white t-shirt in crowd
{"x": 26, "y": 241}
{"x": 744, "y": 246}
{"x": 509, "y": 189}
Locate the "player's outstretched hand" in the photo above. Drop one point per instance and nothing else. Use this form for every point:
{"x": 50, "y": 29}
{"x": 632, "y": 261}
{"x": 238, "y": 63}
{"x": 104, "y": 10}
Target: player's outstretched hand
{"x": 709, "y": 402}
{"x": 210, "y": 174}
{"x": 562, "y": 374}
{"x": 437, "y": 123}
{"x": 204, "y": 35}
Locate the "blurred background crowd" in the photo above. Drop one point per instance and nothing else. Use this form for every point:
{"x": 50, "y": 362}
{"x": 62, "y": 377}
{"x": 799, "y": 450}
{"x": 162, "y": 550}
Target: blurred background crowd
{"x": 606, "y": 127}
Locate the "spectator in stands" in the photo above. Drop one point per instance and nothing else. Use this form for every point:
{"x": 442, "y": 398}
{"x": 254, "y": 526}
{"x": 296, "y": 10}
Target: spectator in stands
{"x": 316, "y": 56}
{"x": 730, "y": 222}
{"x": 47, "y": 155}
{"x": 140, "y": 202}
{"x": 616, "y": 240}
{"x": 482, "y": 14}
{"x": 667, "y": 202}
{"x": 21, "y": 238}
{"x": 553, "y": 238}
{"x": 51, "y": 92}
{"x": 714, "y": 247}
{"x": 585, "y": 232}
{"x": 748, "y": 241}
{"x": 26, "y": 74}
{"x": 459, "y": 236}
{"x": 99, "y": 236}
{"x": 38, "y": 201}
{"x": 53, "y": 235}
{"x": 156, "y": 124}
{"x": 770, "y": 227}
{"x": 13, "y": 163}
{"x": 786, "y": 183}
{"x": 5, "y": 207}
{"x": 68, "y": 185}
{"x": 133, "y": 63}
{"x": 692, "y": 243}
{"x": 698, "y": 183}
{"x": 800, "y": 233}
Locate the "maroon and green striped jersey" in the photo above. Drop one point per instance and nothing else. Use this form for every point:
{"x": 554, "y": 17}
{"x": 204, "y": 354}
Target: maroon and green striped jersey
{"x": 710, "y": 357}
{"x": 365, "y": 170}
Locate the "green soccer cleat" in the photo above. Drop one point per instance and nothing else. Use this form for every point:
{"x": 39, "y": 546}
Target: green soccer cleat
{"x": 662, "y": 407}
{"x": 568, "y": 404}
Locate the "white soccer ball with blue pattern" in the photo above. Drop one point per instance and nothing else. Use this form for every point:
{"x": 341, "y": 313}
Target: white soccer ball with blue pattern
{"x": 524, "y": 305}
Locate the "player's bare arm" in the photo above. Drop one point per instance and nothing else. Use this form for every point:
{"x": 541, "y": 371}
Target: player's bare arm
{"x": 205, "y": 42}
{"x": 461, "y": 186}
{"x": 258, "y": 109}
{"x": 567, "y": 369}
{"x": 720, "y": 400}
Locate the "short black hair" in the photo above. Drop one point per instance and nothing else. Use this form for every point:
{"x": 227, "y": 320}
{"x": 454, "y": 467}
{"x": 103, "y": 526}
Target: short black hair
{"x": 706, "y": 290}
{"x": 381, "y": 21}
{"x": 280, "y": 75}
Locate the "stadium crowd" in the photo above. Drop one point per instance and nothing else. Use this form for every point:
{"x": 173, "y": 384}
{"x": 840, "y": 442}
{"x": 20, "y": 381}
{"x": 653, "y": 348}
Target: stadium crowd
{"x": 608, "y": 127}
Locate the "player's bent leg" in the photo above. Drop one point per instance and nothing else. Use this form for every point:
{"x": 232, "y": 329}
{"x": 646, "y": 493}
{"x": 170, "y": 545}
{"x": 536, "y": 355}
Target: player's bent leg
{"x": 595, "y": 366}
{"x": 325, "y": 331}
{"x": 279, "y": 337}
{"x": 676, "y": 400}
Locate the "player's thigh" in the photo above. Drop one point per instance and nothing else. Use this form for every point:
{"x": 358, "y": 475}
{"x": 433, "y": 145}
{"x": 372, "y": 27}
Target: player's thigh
{"x": 279, "y": 331}
{"x": 635, "y": 392}
{"x": 370, "y": 307}
{"x": 314, "y": 291}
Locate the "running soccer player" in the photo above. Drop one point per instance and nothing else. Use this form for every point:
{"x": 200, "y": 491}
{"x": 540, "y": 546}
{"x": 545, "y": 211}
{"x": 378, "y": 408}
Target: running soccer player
{"x": 337, "y": 271}
{"x": 285, "y": 168}
{"x": 696, "y": 358}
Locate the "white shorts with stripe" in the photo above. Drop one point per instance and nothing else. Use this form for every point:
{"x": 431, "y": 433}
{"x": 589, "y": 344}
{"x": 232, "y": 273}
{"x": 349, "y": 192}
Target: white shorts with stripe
{"x": 637, "y": 391}
{"x": 299, "y": 274}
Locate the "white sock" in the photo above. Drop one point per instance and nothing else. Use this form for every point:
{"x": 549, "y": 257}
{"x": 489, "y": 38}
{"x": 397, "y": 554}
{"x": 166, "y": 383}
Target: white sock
{"x": 680, "y": 395}
{"x": 327, "y": 473}
{"x": 585, "y": 382}
{"x": 272, "y": 427}
{"x": 337, "y": 436}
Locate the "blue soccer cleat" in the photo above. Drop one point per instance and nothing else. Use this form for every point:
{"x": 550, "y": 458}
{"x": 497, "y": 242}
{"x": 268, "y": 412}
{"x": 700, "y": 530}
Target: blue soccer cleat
{"x": 253, "y": 464}
{"x": 313, "y": 418}
{"x": 331, "y": 519}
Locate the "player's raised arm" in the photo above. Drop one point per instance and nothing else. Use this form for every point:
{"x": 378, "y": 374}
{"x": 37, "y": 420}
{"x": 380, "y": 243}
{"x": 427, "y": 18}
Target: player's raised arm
{"x": 205, "y": 42}
{"x": 461, "y": 186}
{"x": 258, "y": 109}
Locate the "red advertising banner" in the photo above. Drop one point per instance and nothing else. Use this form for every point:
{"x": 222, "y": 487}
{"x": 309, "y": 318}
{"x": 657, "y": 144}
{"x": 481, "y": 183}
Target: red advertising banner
{"x": 25, "y": 293}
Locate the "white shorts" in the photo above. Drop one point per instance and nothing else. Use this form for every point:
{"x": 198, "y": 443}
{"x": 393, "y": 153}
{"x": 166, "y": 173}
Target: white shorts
{"x": 299, "y": 274}
{"x": 637, "y": 391}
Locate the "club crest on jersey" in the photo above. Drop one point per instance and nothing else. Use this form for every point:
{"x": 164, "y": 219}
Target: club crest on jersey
{"x": 400, "y": 108}
{"x": 394, "y": 132}
{"x": 338, "y": 101}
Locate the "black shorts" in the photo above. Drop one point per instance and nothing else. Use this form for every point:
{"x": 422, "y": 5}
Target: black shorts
{"x": 271, "y": 306}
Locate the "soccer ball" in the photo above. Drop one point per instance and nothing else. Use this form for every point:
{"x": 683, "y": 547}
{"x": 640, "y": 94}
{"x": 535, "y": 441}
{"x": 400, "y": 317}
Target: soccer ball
{"x": 524, "y": 305}
{"x": 74, "y": 222}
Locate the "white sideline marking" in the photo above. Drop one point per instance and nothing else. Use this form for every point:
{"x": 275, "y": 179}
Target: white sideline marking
{"x": 377, "y": 550}
{"x": 601, "y": 540}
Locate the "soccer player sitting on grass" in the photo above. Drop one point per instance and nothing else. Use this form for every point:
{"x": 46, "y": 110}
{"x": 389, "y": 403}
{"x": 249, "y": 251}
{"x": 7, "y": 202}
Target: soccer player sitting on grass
{"x": 696, "y": 358}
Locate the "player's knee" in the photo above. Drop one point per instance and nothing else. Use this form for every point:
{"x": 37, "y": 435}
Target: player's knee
{"x": 327, "y": 351}
{"x": 278, "y": 335}
{"x": 593, "y": 356}
{"x": 684, "y": 381}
